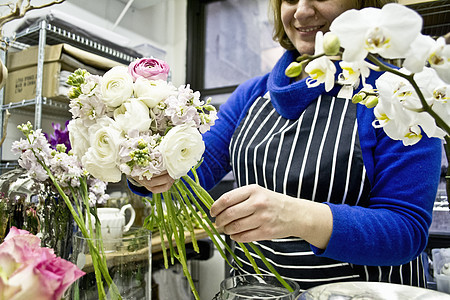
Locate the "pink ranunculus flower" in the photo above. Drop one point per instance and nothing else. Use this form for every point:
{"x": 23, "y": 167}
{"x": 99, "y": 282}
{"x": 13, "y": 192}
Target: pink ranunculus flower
{"x": 149, "y": 68}
{"x": 28, "y": 271}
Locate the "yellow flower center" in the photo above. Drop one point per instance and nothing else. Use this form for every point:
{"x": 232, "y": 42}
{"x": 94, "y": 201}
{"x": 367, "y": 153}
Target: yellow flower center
{"x": 316, "y": 73}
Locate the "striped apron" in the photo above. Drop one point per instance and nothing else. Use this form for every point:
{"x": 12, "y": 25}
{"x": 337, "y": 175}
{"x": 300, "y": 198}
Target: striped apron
{"x": 317, "y": 157}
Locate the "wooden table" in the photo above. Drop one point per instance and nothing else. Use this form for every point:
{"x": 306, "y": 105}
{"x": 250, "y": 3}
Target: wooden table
{"x": 123, "y": 255}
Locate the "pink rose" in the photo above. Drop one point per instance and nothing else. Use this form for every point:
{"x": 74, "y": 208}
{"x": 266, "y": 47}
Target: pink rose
{"x": 28, "y": 271}
{"x": 149, "y": 68}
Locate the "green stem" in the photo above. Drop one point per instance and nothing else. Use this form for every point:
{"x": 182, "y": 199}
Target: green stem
{"x": 94, "y": 251}
{"x": 271, "y": 268}
{"x": 208, "y": 226}
{"x": 95, "y": 262}
{"x": 202, "y": 194}
{"x": 162, "y": 227}
{"x": 199, "y": 207}
{"x": 188, "y": 220}
{"x": 178, "y": 231}
{"x": 250, "y": 258}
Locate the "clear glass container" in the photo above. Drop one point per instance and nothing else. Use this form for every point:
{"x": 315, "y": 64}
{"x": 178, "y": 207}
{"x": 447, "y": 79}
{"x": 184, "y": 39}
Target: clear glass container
{"x": 256, "y": 287}
{"x": 36, "y": 207}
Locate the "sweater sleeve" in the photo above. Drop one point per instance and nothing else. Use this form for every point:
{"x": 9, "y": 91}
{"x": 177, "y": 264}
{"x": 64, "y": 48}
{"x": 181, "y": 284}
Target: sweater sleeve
{"x": 393, "y": 229}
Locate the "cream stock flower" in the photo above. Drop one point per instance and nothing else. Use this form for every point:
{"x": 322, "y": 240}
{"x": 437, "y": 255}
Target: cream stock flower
{"x": 182, "y": 147}
{"x": 116, "y": 86}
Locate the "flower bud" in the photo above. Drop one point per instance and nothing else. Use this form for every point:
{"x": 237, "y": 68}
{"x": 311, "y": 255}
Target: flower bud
{"x": 357, "y": 98}
{"x": 331, "y": 44}
{"x": 61, "y": 148}
{"x": 294, "y": 69}
{"x": 74, "y": 92}
{"x": 371, "y": 101}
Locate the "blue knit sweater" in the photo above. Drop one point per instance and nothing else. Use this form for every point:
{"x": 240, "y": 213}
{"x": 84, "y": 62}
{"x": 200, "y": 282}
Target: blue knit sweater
{"x": 393, "y": 230}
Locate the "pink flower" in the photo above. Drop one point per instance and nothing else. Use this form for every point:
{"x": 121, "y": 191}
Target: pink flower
{"x": 28, "y": 271}
{"x": 149, "y": 68}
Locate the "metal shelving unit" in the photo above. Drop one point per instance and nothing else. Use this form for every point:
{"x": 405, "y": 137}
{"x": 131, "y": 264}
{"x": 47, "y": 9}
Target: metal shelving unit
{"x": 42, "y": 34}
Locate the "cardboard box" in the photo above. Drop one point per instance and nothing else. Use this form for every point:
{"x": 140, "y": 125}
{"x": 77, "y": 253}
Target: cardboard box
{"x": 22, "y": 67}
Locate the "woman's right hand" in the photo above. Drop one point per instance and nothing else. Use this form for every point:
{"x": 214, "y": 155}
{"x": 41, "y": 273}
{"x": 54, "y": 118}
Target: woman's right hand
{"x": 158, "y": 183}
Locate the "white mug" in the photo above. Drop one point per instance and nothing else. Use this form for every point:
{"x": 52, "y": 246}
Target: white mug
{"x": 112, "y": 222}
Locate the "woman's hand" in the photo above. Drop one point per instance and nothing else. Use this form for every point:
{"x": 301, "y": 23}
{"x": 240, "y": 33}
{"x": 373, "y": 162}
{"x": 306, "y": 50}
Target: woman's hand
{"x": 158, "y": 183}
{"x": 253, "y": 213}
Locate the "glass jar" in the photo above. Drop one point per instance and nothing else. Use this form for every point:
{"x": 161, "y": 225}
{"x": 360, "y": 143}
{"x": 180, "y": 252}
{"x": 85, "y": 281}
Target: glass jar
{"x": 36, "y": 207}
{"x": 256, "y": 287}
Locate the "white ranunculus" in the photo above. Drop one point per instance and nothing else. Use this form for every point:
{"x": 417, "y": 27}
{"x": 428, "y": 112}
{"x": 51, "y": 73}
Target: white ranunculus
{"x": 151, "y": 92}
{"x": 102, "y": 156}
{"x": 182, "y": 147}
{"x": 79, "y": 137}
{"x": 133, "y": 114}
{"x": 116, "y": 86}
{"x": 388, "y": 31}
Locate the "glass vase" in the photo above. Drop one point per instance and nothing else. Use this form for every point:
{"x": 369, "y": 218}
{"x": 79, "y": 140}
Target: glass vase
{"x": 256, "y": 287}
{"x": 36, "y": 207}
{"x": 129, "y": 264}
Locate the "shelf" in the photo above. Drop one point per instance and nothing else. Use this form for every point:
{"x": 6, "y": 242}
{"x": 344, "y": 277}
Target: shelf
{"x": 57, "y": 35}
{"x": 57, "y": 105}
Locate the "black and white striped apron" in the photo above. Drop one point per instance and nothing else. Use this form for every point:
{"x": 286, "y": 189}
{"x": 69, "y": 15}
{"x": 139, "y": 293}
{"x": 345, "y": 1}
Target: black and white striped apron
{"x": 317, "y": 157}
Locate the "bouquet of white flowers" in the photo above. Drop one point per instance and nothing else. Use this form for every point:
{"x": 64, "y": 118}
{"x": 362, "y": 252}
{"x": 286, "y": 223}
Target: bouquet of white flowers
{"x": 132, "y": 121}
{"x": 406, "y": 101}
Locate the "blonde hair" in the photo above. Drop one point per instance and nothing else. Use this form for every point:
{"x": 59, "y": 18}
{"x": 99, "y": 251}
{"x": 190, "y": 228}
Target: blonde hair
{"x": 280, "y": 35}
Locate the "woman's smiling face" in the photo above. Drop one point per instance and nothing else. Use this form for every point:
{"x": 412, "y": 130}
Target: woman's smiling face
{"x": 303, "y": 18}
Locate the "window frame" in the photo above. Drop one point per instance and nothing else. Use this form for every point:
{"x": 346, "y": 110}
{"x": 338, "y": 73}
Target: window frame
{"x": 195, "y": 49}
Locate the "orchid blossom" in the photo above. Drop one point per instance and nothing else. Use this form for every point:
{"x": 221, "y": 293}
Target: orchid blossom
{"x": 322, "y": 69}
{"x": 388, "y": 32}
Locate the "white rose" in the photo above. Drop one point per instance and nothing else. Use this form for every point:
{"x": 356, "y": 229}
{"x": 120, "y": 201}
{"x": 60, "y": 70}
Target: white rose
{"x": 182, "y": 147}
{"x": 116, "y": 86}
{"x": 101, "y": 158}
{"x": 133, "y": 114}
{"x": 78, "y": 135}
{"x": 151, "y": 92}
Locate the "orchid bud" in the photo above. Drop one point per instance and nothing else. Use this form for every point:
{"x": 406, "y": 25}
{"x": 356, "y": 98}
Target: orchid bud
{"x": 371, "y": 101}
{"x": 331, "y": 44}
{"x": 294, "y": 69}
{"x": 357, "y": 98}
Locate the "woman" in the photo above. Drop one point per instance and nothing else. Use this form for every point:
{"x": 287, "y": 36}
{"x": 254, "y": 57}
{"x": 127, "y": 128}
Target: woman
{"x": 326, "y": 196}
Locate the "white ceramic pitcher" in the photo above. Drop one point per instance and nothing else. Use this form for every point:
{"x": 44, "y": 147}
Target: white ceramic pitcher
{"x": 111, "y": 217}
